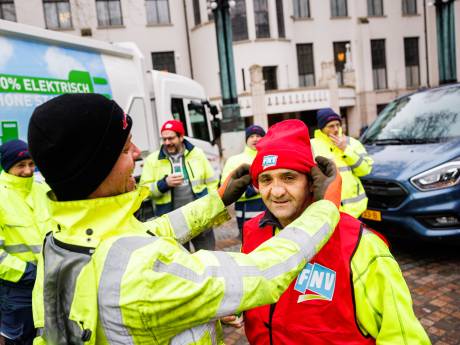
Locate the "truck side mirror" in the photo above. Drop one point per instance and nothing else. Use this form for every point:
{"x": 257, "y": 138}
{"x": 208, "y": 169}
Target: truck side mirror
{"x": 213, "y": 110}
{"x": 216, "y": 130}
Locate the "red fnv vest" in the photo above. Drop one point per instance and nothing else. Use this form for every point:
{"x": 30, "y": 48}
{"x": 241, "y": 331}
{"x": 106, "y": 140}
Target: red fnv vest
{"x": 309, "y": 317}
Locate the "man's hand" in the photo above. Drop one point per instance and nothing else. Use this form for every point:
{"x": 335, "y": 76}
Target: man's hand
{"x": 235, "y": 185}
{"x": 327, "y": 183}
{"x": 174, "y": 180}
{"x": 340, "y": 142}
{"x": 233, "y": 320}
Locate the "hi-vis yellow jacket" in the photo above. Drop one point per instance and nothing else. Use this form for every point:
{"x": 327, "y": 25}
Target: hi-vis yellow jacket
{"x": 352, "y": 163}
{"x": 157, "y": 167}
{"x": 103, "y": 280}
{"x": 24, "y": 221}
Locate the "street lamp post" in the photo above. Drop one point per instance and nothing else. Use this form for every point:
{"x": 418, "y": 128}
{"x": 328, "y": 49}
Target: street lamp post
{"x": 231, "y": 119}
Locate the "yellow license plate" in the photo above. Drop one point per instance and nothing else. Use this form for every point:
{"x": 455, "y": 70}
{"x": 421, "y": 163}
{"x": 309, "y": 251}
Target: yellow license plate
{"x": 372, "y": 215}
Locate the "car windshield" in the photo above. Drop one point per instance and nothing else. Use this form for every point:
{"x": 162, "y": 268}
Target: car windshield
{"x": 424, "y": 117}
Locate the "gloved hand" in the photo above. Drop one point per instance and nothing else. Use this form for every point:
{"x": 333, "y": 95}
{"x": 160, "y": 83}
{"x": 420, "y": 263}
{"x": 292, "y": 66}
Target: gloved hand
{"x": 235, "y": 185}
{"x": 327, "y": 182}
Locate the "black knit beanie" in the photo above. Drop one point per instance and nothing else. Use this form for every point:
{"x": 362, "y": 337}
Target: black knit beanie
{"x": 13, "y": 152}
{"x": 75, "y": 140}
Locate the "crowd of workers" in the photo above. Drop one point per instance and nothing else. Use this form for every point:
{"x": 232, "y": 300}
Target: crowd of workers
{"x": 76, "y": 266}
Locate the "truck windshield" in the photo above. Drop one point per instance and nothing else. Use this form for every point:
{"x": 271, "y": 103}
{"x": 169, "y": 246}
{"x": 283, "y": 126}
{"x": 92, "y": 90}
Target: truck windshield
{"x": 423, "y": 117}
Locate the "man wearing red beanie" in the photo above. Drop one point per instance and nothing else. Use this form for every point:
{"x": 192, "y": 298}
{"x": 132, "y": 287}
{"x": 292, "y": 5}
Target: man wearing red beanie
{"x": 179, "y": 173}
{"x": 352, "y": 291}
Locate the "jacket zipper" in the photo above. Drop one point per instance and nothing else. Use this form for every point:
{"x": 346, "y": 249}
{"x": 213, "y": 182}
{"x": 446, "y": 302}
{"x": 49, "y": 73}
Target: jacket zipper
{"x": 272, "y": 311}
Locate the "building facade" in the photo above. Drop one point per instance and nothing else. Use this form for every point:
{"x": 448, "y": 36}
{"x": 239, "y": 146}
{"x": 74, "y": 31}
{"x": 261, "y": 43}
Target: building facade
{"x": 291, "y": 56}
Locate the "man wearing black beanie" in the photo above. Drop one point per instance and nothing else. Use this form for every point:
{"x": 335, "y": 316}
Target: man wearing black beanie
{"x": 104, "y": 277}
{"x": 23, "y": 225}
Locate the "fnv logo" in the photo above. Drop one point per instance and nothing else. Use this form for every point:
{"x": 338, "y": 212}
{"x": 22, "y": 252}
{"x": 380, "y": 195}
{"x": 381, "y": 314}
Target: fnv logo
{"x": 269, "y": 161}
{"x": 317, "y": 279}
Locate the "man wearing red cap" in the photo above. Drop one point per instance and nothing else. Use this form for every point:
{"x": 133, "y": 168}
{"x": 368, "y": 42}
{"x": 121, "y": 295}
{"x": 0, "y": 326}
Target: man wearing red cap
{"x": 179, "y": 173}
{"x": 352, "y": 291}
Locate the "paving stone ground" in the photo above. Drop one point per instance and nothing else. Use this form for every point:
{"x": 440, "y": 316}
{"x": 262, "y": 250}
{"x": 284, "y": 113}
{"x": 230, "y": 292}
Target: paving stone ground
{"x": 432, "y": 272}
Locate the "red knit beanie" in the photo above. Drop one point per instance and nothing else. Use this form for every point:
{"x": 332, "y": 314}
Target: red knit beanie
{"x": 173, "y": 125}
{"x": 286, "y": 146}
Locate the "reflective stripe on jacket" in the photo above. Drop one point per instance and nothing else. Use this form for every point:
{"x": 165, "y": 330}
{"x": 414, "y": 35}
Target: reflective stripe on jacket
{"x": 24, "y": 220}
{"x": 352, "y": 163}
{"x": 157, "y": 167}
{"x": 351, "y": 292}
{"x": 131, "y": 288}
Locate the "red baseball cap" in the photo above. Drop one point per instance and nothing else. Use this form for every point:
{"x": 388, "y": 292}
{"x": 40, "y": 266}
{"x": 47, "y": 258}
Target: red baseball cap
{"x": 173, "y": 125}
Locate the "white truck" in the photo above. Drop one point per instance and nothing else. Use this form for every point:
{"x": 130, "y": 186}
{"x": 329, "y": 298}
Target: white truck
{"x": 38, "y": 64}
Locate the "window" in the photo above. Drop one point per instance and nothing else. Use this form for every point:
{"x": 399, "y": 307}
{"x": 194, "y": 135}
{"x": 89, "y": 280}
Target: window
{"x": 339, "y": 8}
{"x": 196, "y": 12}
{"x": 379, "y": 64}
{"x": 340, "y": 49}
{"x": 280, "y": 18}
{"x": 108, "y": 13}
{"x": 411, "y": 59}
{"x": 7, "y": 10}
{"x": 261, "y": 18}
{"x": 375, "y": 8}
{"x": 178, "y": 112}
{"x": 301, "y": 8}
{"x": 239, "y": 22}
{"x": 157, "y": 11}
{"x": 57, "y": 14}
{"x": 409, "y": 7}
{"x": 164, "y": 61}
{"x": 305, "y": 64}
{"x": 269, "y": 74}
{"x": 198, "y": 121}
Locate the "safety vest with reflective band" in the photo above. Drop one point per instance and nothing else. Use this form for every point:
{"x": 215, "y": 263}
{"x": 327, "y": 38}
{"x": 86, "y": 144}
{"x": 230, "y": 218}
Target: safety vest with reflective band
{"x": 250, "y": 204}
{"x": 352, "y": 163}
{"x": 24, "y": 220}
{"x": 351, "y": 292}
{"x": 157, "y": 167}
{"x": 132, "y": 288}
{"x": 309, "y": 317}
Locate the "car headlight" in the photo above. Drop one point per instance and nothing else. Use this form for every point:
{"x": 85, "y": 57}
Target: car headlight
{"x": 443, "y": 176}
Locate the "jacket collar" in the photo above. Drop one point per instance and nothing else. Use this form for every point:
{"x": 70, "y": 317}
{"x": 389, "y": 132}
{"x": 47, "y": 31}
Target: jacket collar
{"x": 23, "y": 184}
{"x": 250, "y": 152}
{"x": 321, "y": 136}
{"x": 269, "y": 219}
{"x": 187, "y": 145}
{"x": 87, "y": 222}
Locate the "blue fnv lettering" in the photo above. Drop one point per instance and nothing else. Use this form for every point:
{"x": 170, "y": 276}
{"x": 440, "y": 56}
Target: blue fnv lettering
{"x": 269, "y": 161}
{"x": 318, "y": 279}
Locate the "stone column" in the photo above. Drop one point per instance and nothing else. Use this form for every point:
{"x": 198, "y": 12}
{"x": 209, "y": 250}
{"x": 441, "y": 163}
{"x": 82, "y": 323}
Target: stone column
{"x": 259, "y": 110}
{"x": 329, "y": 80}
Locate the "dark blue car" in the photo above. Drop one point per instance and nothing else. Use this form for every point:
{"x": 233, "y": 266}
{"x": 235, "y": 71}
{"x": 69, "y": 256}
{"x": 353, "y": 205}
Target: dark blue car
{"x": 414, "y": 187}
